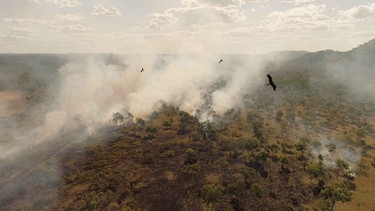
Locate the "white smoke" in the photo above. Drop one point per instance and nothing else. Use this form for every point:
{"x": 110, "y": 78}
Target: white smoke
{"x": 344, "y": 151}
{"x": 92, "y": 88}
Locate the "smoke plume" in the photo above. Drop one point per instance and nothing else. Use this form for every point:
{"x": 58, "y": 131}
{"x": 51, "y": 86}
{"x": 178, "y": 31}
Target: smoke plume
{"x": 90, "y": 88}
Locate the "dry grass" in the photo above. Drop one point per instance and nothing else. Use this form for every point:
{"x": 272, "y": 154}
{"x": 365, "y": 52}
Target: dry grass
{"x": 170, "y": 176}
{"x": 364, "y": 196}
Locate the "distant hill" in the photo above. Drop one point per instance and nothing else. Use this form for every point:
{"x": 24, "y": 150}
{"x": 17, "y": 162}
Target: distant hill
{"x": 26, "y": 72}
{"x": 284, "y": 56}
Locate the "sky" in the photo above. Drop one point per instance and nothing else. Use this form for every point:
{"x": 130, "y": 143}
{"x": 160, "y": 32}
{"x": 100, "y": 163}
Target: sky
{"x": 184, "y": 26}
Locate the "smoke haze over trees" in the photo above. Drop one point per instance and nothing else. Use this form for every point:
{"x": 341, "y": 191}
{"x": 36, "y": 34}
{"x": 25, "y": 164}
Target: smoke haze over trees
{"x": 93, "y": 132}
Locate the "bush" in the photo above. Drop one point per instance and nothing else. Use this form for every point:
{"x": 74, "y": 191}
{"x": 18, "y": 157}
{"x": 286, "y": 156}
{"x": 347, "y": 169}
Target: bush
{"x": 213, "y": 192}
{"x": 151, "y": 129}
{"x": 191, "y": 156}
{"x": 167, "y": 125}
{"x": 236, "y": 188}
{"x": 258, "y": 191}
{"x": 192, "y": 169}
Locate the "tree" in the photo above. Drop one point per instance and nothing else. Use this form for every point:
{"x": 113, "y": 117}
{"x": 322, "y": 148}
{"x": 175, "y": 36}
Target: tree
{"x": 336, "y": 192}
{"x": 342, "y": 166}
{"x": 167, "y": 125}
{"x": 252, "y": 144}
{"x": 257, "y": 128}
{"x": 287, "y": 148}
{"x": 301, "y": 147}
{"x": 208, "y": 130}
{"x": 273, "y": 148}
{"x": 331, "y": 148}
{"x": 262, "y": 155}
{"x": 283, "y": 161}
{"x": 321, "y": 159}
{"x": 117, "y": 117}
{"x": 213, "y": 192}
{"x": 314, "y": 171}
{"x": 140, "y": 121}
{"x": 191, "y": 156}
{"x": 258, "y": 191}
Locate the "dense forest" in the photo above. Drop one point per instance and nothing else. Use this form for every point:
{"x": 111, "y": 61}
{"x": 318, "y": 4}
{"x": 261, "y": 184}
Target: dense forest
{"x": 309, "y": 145}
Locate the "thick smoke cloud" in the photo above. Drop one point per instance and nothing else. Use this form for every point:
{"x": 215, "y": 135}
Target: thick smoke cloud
{"x": 92, "y": 88}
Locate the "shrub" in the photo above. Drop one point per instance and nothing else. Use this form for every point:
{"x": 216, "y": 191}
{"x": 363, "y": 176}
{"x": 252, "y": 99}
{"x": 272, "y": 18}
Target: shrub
{"x": 213, "y": 192}
{"x": 236, "y": 188}
{"x": 258, "y": 191}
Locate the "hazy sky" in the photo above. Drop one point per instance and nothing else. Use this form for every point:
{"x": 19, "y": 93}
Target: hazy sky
{"x": 183, "y": 26}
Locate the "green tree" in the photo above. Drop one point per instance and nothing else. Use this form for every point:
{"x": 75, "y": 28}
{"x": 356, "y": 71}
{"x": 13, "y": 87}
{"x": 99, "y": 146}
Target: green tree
{"x": 273, "y": 148}
{"x": 321, "y": 159}
{"x": 342, "y": 166}
{"x": 213, "y": 192}
{"x": 252, "y": 144}
{"x": 258, "y": 191}
{"x": 336, "y": 192}
{"x": 287, "y": 148}
{"x": 262, "y": 155}
{"x": 283, "y": 161}
{"x": 167, "y": 125}
{"x": 301, "y": 147}
{"x": 191, "y": 156}
{"x": 314, "y": 171}
{"x": 140, "y": 121}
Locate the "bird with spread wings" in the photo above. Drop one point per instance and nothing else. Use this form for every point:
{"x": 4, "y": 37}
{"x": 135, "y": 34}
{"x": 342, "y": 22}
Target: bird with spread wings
{"x": 271, "y": 82}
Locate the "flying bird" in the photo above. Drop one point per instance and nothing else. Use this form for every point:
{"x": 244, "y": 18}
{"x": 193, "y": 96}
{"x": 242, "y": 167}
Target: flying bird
{"x": 271, "y": 82}
{"x": 221, "y": 60}
{"x": 142, "y": 69}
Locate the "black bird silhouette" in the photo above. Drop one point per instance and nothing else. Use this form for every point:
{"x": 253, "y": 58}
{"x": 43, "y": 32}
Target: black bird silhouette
{"x": 221, "y": 60}
{"x": 142, "y": 69}
{"x": 271, "y": 82}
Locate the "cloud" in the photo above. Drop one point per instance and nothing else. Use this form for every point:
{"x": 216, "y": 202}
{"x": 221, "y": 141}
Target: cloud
{"x": 72, "y": 28}
{"x": 59, "y": 18}
{"x": 17, "y": 32}
{"x": 215, "y": 3}
{"x": 100, "y": 10}
{"x": 27, "y": 21}
{"x": 69, "y": 17}
{"x": 257, "y": 1}
{"x": 59, "y": 3}
{"x": 159, "y": 21}
{"x": 307, "y": 17}
{"x": 359, "y": 12}
{"x": 199, "y": 13}
{"x": 297, "y": 2}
